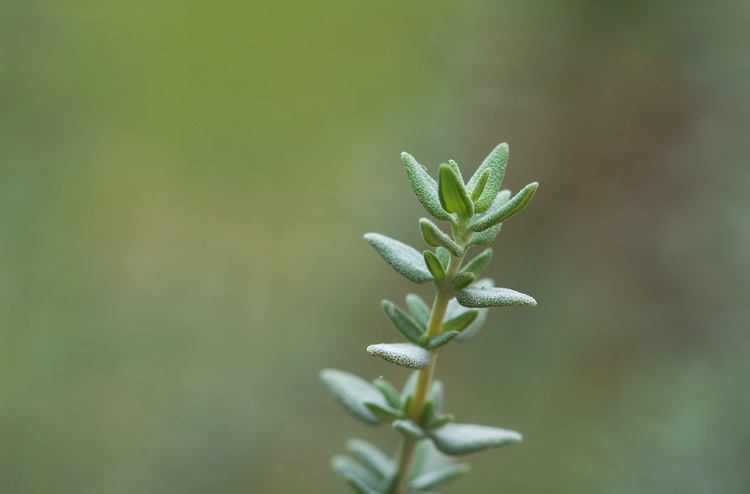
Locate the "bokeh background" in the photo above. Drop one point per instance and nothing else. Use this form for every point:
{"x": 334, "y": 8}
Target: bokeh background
{"x": 183, "y": 192}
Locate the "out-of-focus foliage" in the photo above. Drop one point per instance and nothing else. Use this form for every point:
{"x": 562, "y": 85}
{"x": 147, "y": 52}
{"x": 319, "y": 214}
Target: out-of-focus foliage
{"x": 183, "y": 187}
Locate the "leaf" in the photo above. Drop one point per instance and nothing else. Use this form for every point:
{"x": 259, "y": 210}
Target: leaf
{"x": 463, "y": 279}
{"x": 359, "y": 486}
{"x": 478, "y": 264}
{"x": 408, "y": 428}
{"x": 353, "y": 391}
{"x": 409, "y": 385}
{"x": 436, "y": 238}
{"x": 459, "y": 439}
{"x": 428, "y": 412}
{"x": 439, "y": 421}
{"x": 406, "y": 354}
{"x": 461, "y": 322}
{"x": 452, "y": 193}
{"x": 436, "y": 395}
{"x": 384, "y": 412}
{"x": 403, "y": 258}
{"x": 455, "y": 310}
{"x": 434, "y": 265}
{"x": 346, "y": 467}
{"x": 441, "y": 339}
{"x": 487, "y": 236}
{"x": 402, "y": 321}
{"x": 444, "y": 256}
{"x": 418, "y": 309}
{"x": 516, "y": 204}
{"x": 493, "y": 297}
{"x": 456, "y": 169}
{"x": 476, "y": 192}
{"x": 436, "y": 477}
{"x": 495, "y": 162}
{"x": 424, "y": 187}
{"x": 371, "y": 456}
{"x": 390, "y": 393}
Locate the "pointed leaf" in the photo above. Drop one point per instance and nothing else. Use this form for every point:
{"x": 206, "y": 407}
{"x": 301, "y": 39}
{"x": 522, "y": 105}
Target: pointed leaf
{"x": 441, "y": 339}
{"x": 424, "y": 187}
{"x": 495, "y": 162}
{"x": 428, "y": 413}
{"x": 461, "y": 322}
{"x": 408, "y": 428}
{"x": 456, "y": 169}
{"x": 384, "y": 412}
{"x": 476, "y": 192}
{"x": 439, "y": 421}
{"x": 493, "y": 297}
{"x": 403, "y": 258}
{"x": 444, "y": 256}
{"x": 510, "y": 208}
{"x": 353, "y": 391}
{"x": 463, "y": 279}
{"x": 452, "y": 193}
{"x": 436, "y": 238}
{"x": 487, "y": 236}
{"x": 346, "y": 467}
{"x": 359, "y": 486}
{"x": 433, "y": 265}
{"x": 409, "y": 386}
{"x": 406, "y": 354}
{"x": 371, "y": 456}
{"x": 436, "y": 477}
{"x": 436, "y": 395}
{"x": 473, "y": 329}
{"x": 478, "y": 264}
{"x": 390, "y": 393}
{"x": 419, "y": 310}
{"x": 460, "y": 439}
{"x": 402, "y": 321}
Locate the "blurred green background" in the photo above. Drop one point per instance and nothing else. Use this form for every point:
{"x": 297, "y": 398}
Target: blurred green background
{"x": 183, "y": 192}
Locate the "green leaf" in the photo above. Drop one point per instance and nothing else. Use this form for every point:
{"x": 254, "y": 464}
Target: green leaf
{"x": 461, "y": 322}
{"x": 359, "y": 486}
{"x": 384, "y": 412}
{"x": 408, "y": 428}
{"x": 476, "y": 192}
{"x": 463, "y": 279}
{"x": 456, "y": 169}
{"x": 403, "y": 258}
{"x": 510, "y": 208}
{"x": 409, "y": 386}
{"x": 441, "y": 339}
{"x": 455, "y": 310}
{"x": 353, "y": 391}
{"x": 493, "y": 297}
{"x": 439, "y": 421}
{"x": 444, "y": 256}
{"x": 437, "y": 477}
{"x": 436, "y": 395}
{"x": 436, "y": 238}
{"x": 402, "y": 321}
{"x": 452, "y": 193}
{"x": 495, "y": 162}
{"x": 478, "y": 264}
{"x": 406, "y": 354}
{"x": 433, "y": 265}
{"x": 424, "y": 187}
{"x": 390, "y": 393}
{"x": 371, "y": 456}
{"x": 419, "y": 310}
{"x": 346, "y": 467}
{"x": 459, "y": 439}
{"x": 484, "y": 238}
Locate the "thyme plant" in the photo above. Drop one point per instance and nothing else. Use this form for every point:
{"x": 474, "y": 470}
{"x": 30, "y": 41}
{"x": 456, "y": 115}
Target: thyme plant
{"x": 475, "y": 212}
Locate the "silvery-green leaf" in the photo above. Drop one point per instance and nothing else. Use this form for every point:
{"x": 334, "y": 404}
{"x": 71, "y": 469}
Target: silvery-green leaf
{"x": 495, "y": 162}
{"x": 419, "y": 309}
{"x": 371, "y": 456}
{"x": 409, "y": 386}
{"x": 463, "y": 279}
{"x": 436, "y": 477}
{"x": 441, "y": 339}
{"x": 433, "y": 265}
{"x": 459, "y": 439}
{"x": 359, "y": 486}
{"x": 435, "y": 237}
{"x": 444, "y": 256}
{"x": 406, "y": 354}
{"x": 390, "y": 393}
{"x": 408, "y": 428}
{"x": 353, "y": 391}
{"x": 486, "y": 237}
{"x": 478, "y": 264}
{"x": 452, "y": 193}
{"x": 439, "y": 421}
{"x": 461, "y": 322}
{"x": 493, "y": 297}
{"x": 473, "y": 329}
{"x": 424, "y": 187}
{"x": 346, "y": 467}
{"x": 403, "y": 258}
{"x": 516, "y": 204}
{"x": 384, "y": 412}
{"x": 402, "y": 321}
{"x": 436, "y": 395}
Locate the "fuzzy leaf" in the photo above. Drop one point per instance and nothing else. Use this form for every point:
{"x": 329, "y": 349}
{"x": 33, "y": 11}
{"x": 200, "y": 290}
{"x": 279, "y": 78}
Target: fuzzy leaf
{"x": 419, "y": 310}
{"x": 478, "y": 264}
{"x": 402, "y": 321}
{"x": 441, "y": 339}
{"x": 516, "y": 204}
{"x": 353, "y": 391}
{"x": 384, "y": 412}
{"x": 444, "y": 256}
{"x": 495, "y": 162}
{"x": 459, "y": 439}
{"x": 403, "y": 258}
{"x": 434, "y": 265}
{"x": 408, "y": 428}
{"x": 371, "y": 456}
{"x": 409, "y": 386}
{"x": 461, "y": 322}
{"x": 390, "y": 393}
{"x": 436, "y": 395}
{"x": 435, "y": 237}
{"x": 424, "y": 187}
{"x": 406, "y": 354}
{"x": 456, "y": 169}
{"x": 463, "y": 279}
{"x": 346, "y": 467}
{"x": 493, "y": 297}
{"x": 436, "y": 477}
{"x": 452, "y": 193}
{"x": 476, "y": 192}
{"x": 487, "y": 236}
